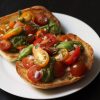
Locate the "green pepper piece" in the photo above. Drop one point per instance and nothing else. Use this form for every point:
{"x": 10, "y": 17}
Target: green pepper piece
{"x": 48, "y": 74}
{"x": 67, "y": 45}
{"x": 79, "y": 44}
{"x": 26, "y": 51}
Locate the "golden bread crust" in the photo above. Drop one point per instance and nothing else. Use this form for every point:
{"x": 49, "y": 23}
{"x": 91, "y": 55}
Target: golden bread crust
{"x": 65, "y": 80}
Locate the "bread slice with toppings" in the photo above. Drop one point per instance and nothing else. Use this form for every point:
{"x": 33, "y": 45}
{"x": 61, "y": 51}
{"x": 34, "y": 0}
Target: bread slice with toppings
{"x": 66, "y": 80}
{"x": 14, "y": 16}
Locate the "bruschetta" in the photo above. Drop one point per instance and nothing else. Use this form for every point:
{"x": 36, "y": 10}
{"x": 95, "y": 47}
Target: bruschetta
{"x": 54, "y": 61}
{"x": 20, "y": 29}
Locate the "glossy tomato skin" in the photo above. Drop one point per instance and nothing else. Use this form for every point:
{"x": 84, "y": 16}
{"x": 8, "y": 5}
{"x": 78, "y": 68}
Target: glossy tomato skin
{"x": 31, "y": 74}
{"x": 41, "y": 19}
{"x": 37, "y": 41}
{"x": 28, "y": 62}
{"x": 78, "y": 69}
{"x": 52, "y": 40}
{"x": 59, "y": 69}
{"x": 46, "y": 42}
{"x": 73, "y": 58}
{"x": 5, "y": 45}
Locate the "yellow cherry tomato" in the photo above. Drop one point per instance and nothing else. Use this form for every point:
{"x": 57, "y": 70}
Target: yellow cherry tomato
{"x": 27, "y": 16}
{"x": 41, "y": 56}
{"x": 62, "y": 55}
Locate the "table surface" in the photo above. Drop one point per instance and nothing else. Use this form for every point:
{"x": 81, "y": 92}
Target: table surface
{"x": 86, "y": 10}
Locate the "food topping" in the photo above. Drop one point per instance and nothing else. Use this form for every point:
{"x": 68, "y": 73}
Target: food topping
{"x": 42, "y": 53}
{"x": 5, "y": 45}
{"x": 41, "y": 57}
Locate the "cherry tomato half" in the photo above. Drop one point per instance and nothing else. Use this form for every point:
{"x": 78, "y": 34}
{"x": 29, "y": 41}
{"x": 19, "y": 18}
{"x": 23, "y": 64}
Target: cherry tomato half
{"x": 47, "y": 41}
{"x": 34, "y": 74}
{"x": 59, "y": 69}
{"x": 5, "y": 45}
{"x": 73, "y": 57}
{"x": 78, "y": 69}
{"x": 28, "y": 62}
{"x": 41, "y": 57}
{"x": 41, "y": 19}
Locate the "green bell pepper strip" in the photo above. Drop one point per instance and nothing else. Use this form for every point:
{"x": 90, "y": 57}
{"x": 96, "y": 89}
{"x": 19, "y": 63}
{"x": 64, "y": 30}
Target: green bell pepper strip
{"x": 26, "y": 51}
{"x": 69, "y": 45}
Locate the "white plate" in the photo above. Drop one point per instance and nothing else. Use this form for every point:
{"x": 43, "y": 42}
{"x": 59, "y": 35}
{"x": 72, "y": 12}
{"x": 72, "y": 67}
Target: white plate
{"x": 11, "y": 82}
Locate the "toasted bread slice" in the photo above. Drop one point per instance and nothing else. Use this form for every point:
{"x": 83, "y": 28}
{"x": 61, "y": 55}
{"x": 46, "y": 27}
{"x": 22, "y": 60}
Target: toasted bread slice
{"x": 88, "y": 52}
{"x": 14, "y": 16}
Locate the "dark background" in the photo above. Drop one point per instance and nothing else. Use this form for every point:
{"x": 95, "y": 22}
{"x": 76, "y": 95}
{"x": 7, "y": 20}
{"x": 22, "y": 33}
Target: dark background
{"x": 86, "y": 10}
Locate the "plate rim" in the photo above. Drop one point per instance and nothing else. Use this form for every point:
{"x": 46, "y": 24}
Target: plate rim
{"x": 56, "y": 13}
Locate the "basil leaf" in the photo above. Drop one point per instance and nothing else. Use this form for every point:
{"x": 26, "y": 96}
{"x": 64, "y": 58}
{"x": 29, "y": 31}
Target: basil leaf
{"x": 18, "y": 41}
{"x": 52, "y": 27}
{"x": 48, "y": 72}
{"x": 46, "y": 27}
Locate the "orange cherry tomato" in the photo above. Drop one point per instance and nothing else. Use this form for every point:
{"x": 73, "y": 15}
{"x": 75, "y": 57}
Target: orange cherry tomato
{"x": 41, "y": 57}
{"x": 63, "y": 38}
{"x": 11, "y": 24}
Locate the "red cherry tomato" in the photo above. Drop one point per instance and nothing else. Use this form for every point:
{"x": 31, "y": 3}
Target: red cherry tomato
{"x": 28, "y": 62}
{"x": 47, "y": 41}
{"x": 59, "y": 69}
{"x": 34, "y": 74}
{"x": 41, "y": 19}
{"x": 78, "y": 69}
{"x": 29, "y": 29}
{"x": 5, "y": 45}
{"x": 51, "y": 40}
{"x": 37, "y": 41}
{"x": 73, "y": 57}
